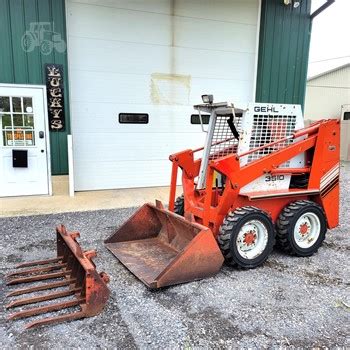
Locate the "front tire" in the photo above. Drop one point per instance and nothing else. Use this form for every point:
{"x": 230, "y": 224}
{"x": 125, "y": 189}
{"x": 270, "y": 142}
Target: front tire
{"x": 246, "y": 237}
{"x": 301, "y": 228}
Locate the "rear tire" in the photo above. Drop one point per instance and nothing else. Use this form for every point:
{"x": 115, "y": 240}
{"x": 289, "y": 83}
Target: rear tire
{"x": 246, "y": 237}
{"x": 299, "y": 181}
{"x": 301, "y": 228}
{"x": 179, "y": 206}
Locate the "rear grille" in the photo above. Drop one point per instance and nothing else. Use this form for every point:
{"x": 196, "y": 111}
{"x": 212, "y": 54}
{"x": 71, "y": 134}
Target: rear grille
{"x": 270, "y": 128}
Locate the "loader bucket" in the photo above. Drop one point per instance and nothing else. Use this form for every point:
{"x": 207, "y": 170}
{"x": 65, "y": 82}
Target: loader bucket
{"x": 162, "y": 248}
{"x": 72, "y": 274}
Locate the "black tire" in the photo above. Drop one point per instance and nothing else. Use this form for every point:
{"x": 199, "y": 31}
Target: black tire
{"x": 300, "y": 181}
{"x": 230, "y": 229}
{"x": 179, "y": 206}
{"x": 286, "y": 224}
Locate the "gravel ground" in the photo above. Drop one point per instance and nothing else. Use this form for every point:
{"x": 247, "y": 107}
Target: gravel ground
{"x": 288, "y": 301}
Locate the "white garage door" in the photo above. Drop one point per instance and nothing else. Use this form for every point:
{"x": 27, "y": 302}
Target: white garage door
{"x": 155, "y": 57}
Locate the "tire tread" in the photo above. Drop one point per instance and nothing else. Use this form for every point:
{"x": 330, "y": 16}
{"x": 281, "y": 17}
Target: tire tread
{"x": 232, "y": 220}
{"x": 284, "y": 225}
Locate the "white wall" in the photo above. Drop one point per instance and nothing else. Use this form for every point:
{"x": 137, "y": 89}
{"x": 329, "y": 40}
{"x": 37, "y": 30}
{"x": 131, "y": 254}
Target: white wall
{"x": 324, "y": 97}
{"x": 326, "y": 94}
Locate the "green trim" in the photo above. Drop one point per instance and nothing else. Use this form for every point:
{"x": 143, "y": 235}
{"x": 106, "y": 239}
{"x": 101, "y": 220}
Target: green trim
{"x": 20, "y": 67}
{"x": 283, "y": 52}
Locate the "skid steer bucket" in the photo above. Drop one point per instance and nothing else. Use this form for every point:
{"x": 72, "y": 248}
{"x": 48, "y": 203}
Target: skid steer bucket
{"x": 162, "y": 248}
{"x": 74, "y": 275}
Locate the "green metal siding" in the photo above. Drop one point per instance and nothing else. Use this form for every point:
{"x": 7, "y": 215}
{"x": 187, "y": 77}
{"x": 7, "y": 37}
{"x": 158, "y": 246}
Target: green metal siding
{"x": 20, "y": 67}
{"x": 283, "y": 52}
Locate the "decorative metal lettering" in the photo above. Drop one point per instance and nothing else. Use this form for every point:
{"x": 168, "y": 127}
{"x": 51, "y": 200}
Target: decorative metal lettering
{"x": 55, "y": 99}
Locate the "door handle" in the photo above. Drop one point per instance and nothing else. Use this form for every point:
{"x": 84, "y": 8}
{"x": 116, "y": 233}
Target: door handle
{"x": 41, "y": 134}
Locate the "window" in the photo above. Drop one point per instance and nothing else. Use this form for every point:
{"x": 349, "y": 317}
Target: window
{"x": 133, "y": 118}
{"x": 17, "y": 121}
{"x": 196, "y": 120}
{"x": 346, "y": 116}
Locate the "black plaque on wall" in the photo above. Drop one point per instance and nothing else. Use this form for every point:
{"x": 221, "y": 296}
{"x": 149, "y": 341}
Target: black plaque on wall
{"x": 55, "y": 98}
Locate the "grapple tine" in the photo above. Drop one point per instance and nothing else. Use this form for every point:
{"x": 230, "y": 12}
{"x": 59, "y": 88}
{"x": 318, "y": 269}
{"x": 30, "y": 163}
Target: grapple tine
{"x": 75, "y": 268}
{"x": 39, "y": 269}
{"x": 47, "y": 308}
{"x": 38, "y": 277}
{"x": 50, "y": 296}
{"x": 41, "y": 287}
{"x": 39, "y": 262}
{"x": 57, "y": 319}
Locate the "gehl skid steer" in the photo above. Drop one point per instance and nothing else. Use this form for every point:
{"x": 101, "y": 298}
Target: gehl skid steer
{"x": 260, "y": 179}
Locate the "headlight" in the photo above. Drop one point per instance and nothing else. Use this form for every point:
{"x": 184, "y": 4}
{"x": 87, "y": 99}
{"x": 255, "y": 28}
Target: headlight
{"x": 207, "y": 98}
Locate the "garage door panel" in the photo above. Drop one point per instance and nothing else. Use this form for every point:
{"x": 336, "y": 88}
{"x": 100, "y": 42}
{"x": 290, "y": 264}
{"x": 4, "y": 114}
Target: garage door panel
{"x": 118, "y": 57}
{"x": 238, "y": 92}
{"x": 223, "y": 65}
{"x": 106, "y": 23}
{"x": 110, "y": 88}
{"x": 214, "y": 35}
{"x": 136, "y": 89}
{"x": 122, "y": 57}
{"x": 130, "y": 146}
{"x": 125, "y": 174}
{"x": 104, "y": 118}
{"x": 157, "y": 6}
{"x": 240, "y": 11}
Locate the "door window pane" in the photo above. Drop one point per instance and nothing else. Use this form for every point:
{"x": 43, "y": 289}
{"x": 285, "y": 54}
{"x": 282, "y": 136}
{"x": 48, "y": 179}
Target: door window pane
{"x": 19, "y": 137}
{"x": 29, "y": 120}
{"x": 18, "y": 120}
{"x": 27, "y": 105}
{"x": 6, "y": 120}
{"x": 16, "y": 104}
{"x": 4, "y": 137}
{"x": 4, "y": 104}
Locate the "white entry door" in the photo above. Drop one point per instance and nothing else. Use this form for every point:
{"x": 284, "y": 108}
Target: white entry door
{"x": 24, "y": 141}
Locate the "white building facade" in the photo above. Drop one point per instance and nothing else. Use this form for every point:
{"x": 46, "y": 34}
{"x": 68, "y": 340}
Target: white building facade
{"x": 326, "y": 93}
{"x": 328, "y": 96}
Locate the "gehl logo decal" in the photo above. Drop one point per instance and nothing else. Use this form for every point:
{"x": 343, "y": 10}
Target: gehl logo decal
{"x": 265, "y": 109}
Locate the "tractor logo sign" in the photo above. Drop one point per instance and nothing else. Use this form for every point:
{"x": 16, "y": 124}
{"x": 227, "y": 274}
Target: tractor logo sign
{"x": 42, "y": 35}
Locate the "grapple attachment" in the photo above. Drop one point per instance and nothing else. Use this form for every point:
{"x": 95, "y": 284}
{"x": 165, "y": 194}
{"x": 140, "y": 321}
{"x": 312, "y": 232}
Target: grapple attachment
{"x": 162, "y": 248}
{"x": 75, "y": 275}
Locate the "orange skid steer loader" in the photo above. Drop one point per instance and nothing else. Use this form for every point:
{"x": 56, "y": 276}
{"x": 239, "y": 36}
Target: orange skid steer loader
{"x": 260, "y": 178}
{"x": 257, "y": 180}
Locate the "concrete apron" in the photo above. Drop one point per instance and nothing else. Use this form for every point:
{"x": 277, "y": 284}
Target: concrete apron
{"x": 61, "y": 202}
